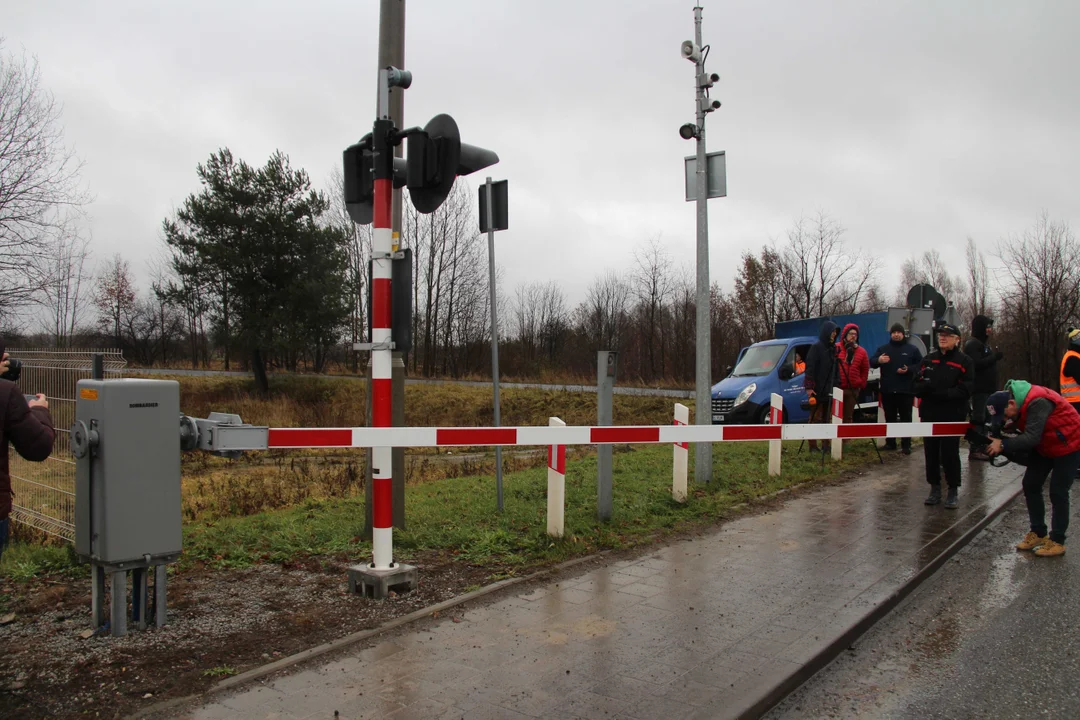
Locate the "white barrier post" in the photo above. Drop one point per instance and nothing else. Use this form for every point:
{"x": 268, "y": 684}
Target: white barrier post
{"x": 776, "y": 417}
{"x": 915, "y": 410}
{"x": 681, "y": 460}
{"x": 881, "y": 442}
{"x": 837, "y": 419}
{"x": 556, "y": 494}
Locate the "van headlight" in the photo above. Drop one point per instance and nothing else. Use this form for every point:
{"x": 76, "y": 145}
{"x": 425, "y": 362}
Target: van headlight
{"x": 745, "y": 394}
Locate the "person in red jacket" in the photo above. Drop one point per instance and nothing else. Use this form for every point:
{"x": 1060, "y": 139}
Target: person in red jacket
{"x": 1050, "y": 431}
{"x": 853, "y": 368}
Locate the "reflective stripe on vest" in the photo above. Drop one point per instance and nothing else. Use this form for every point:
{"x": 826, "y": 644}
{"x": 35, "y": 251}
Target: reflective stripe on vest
{"x": 1070, "y": 389}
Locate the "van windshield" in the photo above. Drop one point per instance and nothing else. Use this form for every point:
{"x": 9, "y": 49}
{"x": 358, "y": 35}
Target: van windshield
{"x": 759, "y": 360}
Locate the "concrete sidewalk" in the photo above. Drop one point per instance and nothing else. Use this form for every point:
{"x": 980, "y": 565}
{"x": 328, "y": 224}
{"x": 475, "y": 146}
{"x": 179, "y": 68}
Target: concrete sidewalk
{"x": 723, "y": 625}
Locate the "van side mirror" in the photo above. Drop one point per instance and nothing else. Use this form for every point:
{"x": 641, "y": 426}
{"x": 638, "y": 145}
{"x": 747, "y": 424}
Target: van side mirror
{"x": 786, "y": 372}
{"x": 727, "y": 370}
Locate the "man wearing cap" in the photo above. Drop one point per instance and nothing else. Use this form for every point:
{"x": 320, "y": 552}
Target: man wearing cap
{"x": 899, "y": 361}
{"x": 944, "y": 384}
{"x": 1070, "y": 370}
{"x": 1050, "y": 430}
{"x": 985, "y": 359}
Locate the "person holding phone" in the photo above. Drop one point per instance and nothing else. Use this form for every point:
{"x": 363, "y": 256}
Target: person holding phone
{"x": 28, "y": 427}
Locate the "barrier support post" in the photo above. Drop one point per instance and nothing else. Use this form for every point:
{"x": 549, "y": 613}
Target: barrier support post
{"x": 556, "y": 490}
{"x": 837, "y": 419}
{"x": 776, "y": 417}
{"x": 681, "y": 457}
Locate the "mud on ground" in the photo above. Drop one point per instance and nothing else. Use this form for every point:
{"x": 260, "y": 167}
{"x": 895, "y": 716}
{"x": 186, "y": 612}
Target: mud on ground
{"x": 220, "y": 623}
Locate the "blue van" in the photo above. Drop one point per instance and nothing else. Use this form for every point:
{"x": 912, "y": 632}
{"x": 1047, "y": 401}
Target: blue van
{"x": 767, "y": 367}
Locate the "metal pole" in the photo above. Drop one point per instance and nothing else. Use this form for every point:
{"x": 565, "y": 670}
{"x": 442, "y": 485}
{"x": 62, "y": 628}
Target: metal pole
{"x": 494, "y": 337}
{"x": 605, "y": 388}
{"x": 703, "y": 394}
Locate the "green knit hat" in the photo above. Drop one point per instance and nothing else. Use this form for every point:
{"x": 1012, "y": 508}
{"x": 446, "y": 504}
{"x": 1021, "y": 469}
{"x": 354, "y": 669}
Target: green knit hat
{"x": 1018, "y": 389}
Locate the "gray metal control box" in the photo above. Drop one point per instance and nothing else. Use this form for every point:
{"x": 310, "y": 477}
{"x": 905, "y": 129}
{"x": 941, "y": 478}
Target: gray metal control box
{"x": 126, "y": 439}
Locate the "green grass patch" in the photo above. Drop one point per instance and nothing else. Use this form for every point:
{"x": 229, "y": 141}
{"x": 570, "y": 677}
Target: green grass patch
{"x": 24, "y": 561}
{"x": 458, "y": 515}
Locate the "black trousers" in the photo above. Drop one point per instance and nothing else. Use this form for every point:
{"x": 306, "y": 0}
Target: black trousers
{"x": 978, "y": 408}
{"x": 1061, "y": 471}
{"x": 897, "y": 407}
{"x": 942, "y": 452}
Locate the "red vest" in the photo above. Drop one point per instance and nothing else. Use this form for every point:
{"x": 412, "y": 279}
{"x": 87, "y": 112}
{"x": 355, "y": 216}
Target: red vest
{"x": 1061, "y": 435}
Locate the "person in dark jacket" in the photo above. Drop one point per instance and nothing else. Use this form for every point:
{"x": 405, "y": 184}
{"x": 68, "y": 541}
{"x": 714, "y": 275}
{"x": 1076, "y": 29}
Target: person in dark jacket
{"x": 1050, "y": 430}
{"x": 29, "y": 429}
{"x": 820, "y": 377}
{"x": 899, "y": 361}
{"x": 944, "y": 384}
{"x": 985, "y": 359}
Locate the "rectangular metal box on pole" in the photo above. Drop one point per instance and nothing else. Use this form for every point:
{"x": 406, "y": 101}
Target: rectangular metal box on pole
{"x": 499, "y": 207}
{"x": 127, "y": 484}
{"x": 716, "y": 170}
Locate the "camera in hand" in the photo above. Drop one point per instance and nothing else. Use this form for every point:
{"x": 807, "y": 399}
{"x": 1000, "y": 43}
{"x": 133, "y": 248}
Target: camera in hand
{"x": 14, "y": 370}
{"x": 980, "y": 438}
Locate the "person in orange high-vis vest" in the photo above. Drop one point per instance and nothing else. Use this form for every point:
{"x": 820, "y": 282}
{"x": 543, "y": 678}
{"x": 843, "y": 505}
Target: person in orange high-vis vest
{"x": 1070, "y": 370}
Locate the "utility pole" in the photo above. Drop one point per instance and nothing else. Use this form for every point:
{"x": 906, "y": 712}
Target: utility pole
{"x": 703, "y": 387}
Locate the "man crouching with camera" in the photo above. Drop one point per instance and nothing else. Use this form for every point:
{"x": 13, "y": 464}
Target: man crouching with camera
{"x": 25, "y": 424}
{"x": 1050, "y": 430}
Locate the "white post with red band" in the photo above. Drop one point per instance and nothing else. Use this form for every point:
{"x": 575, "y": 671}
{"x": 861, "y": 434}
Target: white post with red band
{"x": 776, "y": 417}
{"x": 381, "y": 315}
{"x": 556, "y": 490}
{"x": 837, "y": 419}
{"x": 881, "y": 442}
{"x": 682, "y": 456}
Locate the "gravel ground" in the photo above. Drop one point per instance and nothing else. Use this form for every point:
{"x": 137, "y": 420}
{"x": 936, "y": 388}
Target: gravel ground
{"x": 220, "y": 623}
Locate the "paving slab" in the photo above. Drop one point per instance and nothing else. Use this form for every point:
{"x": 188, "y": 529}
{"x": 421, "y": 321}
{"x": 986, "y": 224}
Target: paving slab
{"x": 719, "y": 626}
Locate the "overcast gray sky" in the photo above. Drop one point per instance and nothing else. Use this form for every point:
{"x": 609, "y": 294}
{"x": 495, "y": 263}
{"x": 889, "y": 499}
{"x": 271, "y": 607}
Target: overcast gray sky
{"x": 915, "y": 124}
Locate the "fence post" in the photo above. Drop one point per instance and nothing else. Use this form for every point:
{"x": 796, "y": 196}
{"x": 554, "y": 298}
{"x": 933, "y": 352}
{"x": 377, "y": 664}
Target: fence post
{"x": 776, "y": 417}
{"x": 837, "y": 419}
{"x": 97, "y": 367}
{"x": 556, "y": 491}
{"x": 681, "y": 457}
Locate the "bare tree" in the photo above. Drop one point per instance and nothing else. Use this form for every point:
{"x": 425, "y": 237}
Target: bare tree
{"x": 1043, "y": 297}
{"x": 39, "y": 179}
{"x": 930, "y": 268}
{"x": 652, "y": 286}
{"x": 359, "y": 252}
{"x": 114, "y": 297}
{"x": 978, "y": 301}
{"x": 821, "y": 275}
{"x": 602, "y": 317}
{"x": 64, "y": 272}
{"x": 553, "y": 320}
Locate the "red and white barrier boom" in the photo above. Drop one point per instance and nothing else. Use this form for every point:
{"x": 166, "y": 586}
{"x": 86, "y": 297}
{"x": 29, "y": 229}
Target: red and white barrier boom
{"x": 226, "y": 438}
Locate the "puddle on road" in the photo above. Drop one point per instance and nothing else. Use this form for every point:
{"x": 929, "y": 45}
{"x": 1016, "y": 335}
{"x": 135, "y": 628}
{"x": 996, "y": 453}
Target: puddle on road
{"x": 1002, "y": 586}
{"x": 943, "y": 640}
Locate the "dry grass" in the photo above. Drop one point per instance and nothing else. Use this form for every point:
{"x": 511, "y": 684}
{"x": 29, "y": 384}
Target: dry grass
{"x": 216, "y": 488}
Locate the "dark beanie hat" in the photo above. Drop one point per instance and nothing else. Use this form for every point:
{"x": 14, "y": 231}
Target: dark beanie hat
{"x": 897, "y": 327}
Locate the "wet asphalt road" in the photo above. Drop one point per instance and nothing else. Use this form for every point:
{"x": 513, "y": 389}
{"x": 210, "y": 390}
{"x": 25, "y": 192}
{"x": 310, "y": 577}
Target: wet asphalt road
{"x": 994, "y": 634}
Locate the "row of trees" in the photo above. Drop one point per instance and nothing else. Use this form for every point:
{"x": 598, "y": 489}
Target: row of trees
{"x": 260, "y": 270}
